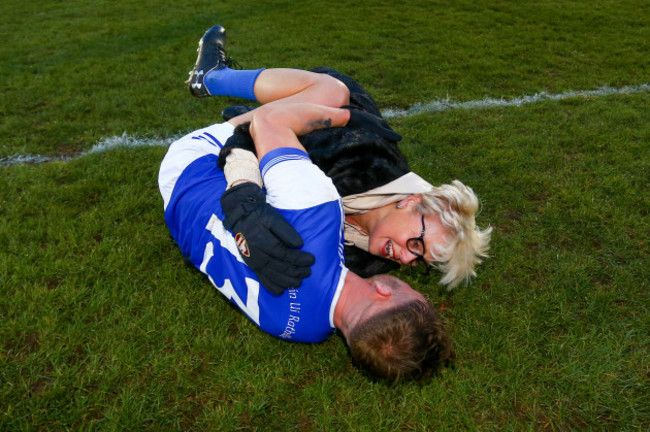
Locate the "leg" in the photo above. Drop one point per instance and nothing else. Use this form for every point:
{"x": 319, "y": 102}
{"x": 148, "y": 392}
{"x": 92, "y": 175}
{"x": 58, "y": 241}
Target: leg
{"x": 282, "y": 86}
{"x": 359, "y": 97}
{"x": 212, "y": 76}
{"x": 296, "y": 85}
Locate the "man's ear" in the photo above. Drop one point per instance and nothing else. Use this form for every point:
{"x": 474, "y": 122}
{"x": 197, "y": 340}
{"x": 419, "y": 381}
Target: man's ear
{"x": 382, "y": 289}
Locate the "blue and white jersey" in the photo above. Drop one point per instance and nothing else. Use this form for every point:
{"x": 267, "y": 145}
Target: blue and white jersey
{"x": 191, "y": 185}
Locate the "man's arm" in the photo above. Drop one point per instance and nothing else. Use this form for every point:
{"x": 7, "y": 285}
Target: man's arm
{"x": 276, "y": 126}
{"x": 270, "y": 242}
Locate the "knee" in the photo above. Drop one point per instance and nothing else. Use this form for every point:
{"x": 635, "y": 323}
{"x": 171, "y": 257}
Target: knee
{"x": 337, "y": 93}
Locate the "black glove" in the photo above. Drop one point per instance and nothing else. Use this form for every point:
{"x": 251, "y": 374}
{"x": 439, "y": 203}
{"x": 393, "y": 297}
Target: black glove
{"x": 367, "y": 121}
{"x": 267, "y": 242}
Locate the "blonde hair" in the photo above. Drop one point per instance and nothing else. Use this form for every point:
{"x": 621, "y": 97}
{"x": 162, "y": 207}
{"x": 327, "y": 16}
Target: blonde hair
{"x": 456, "y": 205}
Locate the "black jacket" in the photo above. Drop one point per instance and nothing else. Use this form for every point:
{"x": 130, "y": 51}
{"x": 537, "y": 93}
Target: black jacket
{"x": 356, "y": 160}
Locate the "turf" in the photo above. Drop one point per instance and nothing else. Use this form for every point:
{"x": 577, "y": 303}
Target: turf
{"x": 104, "y": 327}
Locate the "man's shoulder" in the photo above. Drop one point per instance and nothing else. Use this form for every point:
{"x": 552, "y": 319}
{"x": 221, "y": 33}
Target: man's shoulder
{"x": 293, "y": 182}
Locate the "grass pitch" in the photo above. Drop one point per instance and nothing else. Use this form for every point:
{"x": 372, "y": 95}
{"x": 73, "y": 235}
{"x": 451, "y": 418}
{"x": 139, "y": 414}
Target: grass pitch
{"x": 103, "y": 326}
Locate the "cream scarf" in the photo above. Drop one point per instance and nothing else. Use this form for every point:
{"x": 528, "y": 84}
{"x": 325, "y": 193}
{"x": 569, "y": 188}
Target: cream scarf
{"x": 400, "y": 188}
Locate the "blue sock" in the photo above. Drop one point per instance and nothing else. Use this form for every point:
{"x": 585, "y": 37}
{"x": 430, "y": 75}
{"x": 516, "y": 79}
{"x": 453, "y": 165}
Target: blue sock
{"x": 230, "y": 82}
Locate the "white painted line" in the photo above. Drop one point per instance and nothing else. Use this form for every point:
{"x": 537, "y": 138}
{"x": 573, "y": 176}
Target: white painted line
{"x": 125, "y": 140}
{"x": 103, "y": 145}
{"x": 25, "y": 160}
{"x": 439, "y": 105}
{"x": 447, "y": 105}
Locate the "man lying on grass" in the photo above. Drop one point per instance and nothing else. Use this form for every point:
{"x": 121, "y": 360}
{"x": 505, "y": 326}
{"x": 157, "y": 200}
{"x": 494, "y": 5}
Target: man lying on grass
{"x": 390, "y": 328}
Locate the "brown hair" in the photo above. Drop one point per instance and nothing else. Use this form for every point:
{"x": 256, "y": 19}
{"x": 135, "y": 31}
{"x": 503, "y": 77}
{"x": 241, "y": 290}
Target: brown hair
{"x": 408, "y": 341}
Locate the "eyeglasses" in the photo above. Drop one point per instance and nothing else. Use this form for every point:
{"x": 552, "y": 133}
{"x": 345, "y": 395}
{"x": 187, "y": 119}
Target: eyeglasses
{"x": 415, "y": 245}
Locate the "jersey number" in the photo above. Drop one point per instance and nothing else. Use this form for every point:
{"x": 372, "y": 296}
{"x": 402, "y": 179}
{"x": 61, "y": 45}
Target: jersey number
{"x": 251, "y": 307}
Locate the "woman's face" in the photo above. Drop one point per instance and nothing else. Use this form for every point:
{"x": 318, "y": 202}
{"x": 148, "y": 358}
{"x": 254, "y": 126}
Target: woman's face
{"x": 390, "y": 234}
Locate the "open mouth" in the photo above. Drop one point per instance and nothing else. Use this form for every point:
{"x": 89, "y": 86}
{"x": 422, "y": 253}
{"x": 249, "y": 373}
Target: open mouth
{"x": 388, "y": 251}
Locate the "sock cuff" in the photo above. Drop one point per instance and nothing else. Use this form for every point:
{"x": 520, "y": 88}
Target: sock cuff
{"x": 231, "y": 82}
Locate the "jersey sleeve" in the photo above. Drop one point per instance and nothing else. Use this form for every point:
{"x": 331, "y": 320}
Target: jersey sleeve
{"x": 184, "y": 151}
{"x": 293, "y": 182}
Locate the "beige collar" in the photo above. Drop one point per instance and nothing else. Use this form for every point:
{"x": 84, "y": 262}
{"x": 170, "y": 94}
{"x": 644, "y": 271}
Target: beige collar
{"x": 397, "y": 190}
{"x": 408, "y": 184}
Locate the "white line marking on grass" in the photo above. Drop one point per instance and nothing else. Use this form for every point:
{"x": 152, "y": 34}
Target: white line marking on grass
{"x": 447, "y": 105}
{"x": 25, "y": 160}
{"x": 128, "y": 141}
{"x": 105, "y": 144}
{"x": 434, "y": 106}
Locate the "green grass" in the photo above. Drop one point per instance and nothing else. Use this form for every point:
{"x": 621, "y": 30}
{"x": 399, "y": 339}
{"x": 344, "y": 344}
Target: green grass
{"x": 104, "y": 327}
